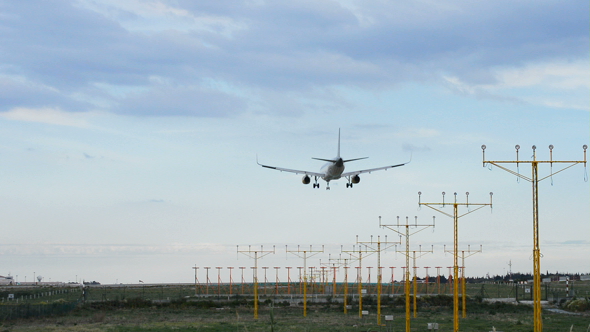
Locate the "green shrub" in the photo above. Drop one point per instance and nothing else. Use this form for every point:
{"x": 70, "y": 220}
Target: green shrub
{"x": 577, "y": 305}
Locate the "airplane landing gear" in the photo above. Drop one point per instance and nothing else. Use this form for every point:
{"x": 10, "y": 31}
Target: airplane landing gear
{"x": 316, "y": 184}
{"x": 349, "y": 185}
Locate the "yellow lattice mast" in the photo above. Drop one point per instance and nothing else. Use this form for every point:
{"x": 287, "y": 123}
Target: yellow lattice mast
{"x": 256, "y": 254}
{"x": 357, "y": 254}
{"x": 378, "y": 247}
{"x": 538, "y": 321}
{"x": 415, "y": 255}
{"x": 455, "y": 217}
{"x": 335, "y": 264}
{"x": 463, "y": 287}
{"x": 407, "y": 234}
{"x": 305, "y": 254}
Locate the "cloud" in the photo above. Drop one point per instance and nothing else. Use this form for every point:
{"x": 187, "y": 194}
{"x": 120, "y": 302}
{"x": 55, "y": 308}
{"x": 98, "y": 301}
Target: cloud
{"x": 112, "y": 249}
{"x": 186, "y": 101}
{"x": 46, "y": 115}
{"x": 413, "y": 148}
{"x": 70, "y": 50}
{"x": 550, "y": 84}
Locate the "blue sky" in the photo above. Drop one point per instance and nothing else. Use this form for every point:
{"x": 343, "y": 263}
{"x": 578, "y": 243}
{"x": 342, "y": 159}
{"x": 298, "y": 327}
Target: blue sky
{"x": 130, "y": 130}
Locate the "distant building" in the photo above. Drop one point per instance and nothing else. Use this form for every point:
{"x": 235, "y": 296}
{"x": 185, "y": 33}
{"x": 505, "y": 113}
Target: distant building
{"x": 8, "y": 280}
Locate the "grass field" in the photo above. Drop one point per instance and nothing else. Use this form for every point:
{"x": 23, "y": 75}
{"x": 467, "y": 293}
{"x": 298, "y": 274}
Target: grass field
{"x": 176, "y": 308}
{"x": 141, "y": 315}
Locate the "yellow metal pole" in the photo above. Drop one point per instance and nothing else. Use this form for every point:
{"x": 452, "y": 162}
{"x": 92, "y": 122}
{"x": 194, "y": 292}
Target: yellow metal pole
{"x": 334, "y": 281}
{"x": 255, "y": 255}
{"x": 379, "y": 298}
{"x": 407, "y": 283}
{"x": 379, "y": 281}
{"x": 536, "y": 250}
{"x": 370, "y": 247}
{"x": 304, "y": 254}
{"x": 346, "y": 289}
{"x": 415, "y": 296}
{"x": 360, "y": 288}
{"x": 304, "y": 296}
{"x": 406, "y": 269}
{"x": 415, "y": 285}
{"x": 455, "y": 217}
{"x": 455, "y": 269}
{"x": 463, "y": 291}
{"x": 537, "y": 318}
{"x": 304, "y": 284}
{"x": 407, "y": 293}
{"x": 255, "y": 285}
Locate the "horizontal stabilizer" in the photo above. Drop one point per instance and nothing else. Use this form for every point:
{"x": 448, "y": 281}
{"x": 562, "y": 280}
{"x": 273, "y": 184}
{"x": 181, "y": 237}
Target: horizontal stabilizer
{"x": 328, "y": 160}
{"x": 345, "y": 161}
{"x": 336, "y": 160}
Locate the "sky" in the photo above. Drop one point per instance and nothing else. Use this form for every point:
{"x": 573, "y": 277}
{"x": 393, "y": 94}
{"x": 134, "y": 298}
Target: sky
{"x": 130, "y": 132}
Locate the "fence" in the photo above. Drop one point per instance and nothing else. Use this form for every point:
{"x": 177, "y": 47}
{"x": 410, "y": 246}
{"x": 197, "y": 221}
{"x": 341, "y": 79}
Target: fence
{"x": 26, "y": 310}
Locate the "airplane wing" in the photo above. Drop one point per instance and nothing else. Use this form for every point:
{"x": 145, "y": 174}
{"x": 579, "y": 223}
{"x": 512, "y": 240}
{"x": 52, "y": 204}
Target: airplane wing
{"x": 346, "y": 174}
{"x": 291, "y": 170}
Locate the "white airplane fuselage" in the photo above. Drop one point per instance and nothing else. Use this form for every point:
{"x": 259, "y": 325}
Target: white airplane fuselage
{"x": 332, "y": 170}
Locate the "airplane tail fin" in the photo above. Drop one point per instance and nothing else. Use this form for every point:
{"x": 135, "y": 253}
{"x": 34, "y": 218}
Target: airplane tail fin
{"x": 338, "y": 155}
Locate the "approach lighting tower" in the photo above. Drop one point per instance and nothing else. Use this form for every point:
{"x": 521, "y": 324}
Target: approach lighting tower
{"x": 358, "y": 255}
{"x": 336, "y": 263}
{"x": 305, "y": 254}
{"x": 196, "y": 268}
{"x": 463, "y": 287}
{"x": 256, "y": 254}
{"x": 420, "y": 253}
{"x": 377, "y": 247}
{"x": 538, "y": 322}
{"x": 407, "y": 234}
{"x": 455, "y": 217}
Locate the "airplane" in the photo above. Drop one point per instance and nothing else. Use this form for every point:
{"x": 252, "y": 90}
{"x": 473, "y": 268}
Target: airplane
{"x": 332, "y": 170}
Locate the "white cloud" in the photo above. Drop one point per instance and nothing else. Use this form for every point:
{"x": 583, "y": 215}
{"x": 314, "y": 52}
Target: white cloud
{"x": 558, "y": 75}
{"x": 158, "y": 16}
{"x": 551, "y": 84}
{"x": 273, "y": 48}
{"x": 114, "y": 249}
{"x": 54, "y": 116}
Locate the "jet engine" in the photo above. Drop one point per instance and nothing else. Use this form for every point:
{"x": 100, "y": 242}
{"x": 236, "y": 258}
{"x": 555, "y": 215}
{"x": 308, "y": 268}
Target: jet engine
{"x": 306, "y": 179}
{"x": 355, "y": 179}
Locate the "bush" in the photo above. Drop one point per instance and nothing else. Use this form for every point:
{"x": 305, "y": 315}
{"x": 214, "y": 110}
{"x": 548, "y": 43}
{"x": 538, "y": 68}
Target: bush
{"x": 577, "y": 305}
